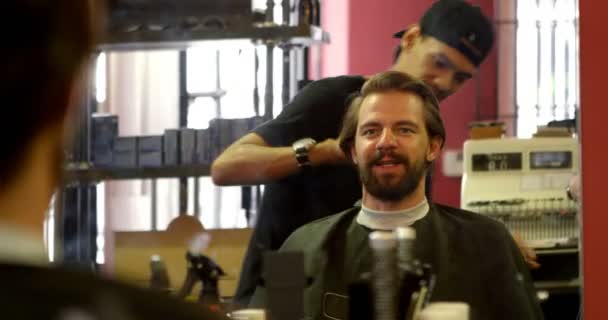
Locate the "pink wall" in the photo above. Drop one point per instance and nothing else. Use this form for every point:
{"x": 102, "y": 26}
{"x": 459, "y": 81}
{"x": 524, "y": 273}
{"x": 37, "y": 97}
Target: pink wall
{"x": 335, "y": 19}
{"x": 372, "y": 25}
{"x": 594, "y": 153}
{"x": 366, "y": 46}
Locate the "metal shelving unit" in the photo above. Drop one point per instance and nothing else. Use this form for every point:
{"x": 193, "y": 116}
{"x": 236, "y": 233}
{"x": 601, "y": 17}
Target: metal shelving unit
{"x": 87, "y": 174}
{"x": 304, "y": 35}
{"x": 75, "y": 209}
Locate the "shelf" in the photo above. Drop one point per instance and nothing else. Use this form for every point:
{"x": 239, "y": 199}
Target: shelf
{"x": 99, "y": 174}
{"x": 304, "y": 35}
{"x": 557, "y": 251}
{"x": 558, "y": 286}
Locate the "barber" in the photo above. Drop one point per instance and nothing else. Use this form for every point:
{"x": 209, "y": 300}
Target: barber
{"x": 296, "y": 155}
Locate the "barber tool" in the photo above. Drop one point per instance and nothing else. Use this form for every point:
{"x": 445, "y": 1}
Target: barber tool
{"x": 384, "y": 274}
{"x": 416, "y": 280}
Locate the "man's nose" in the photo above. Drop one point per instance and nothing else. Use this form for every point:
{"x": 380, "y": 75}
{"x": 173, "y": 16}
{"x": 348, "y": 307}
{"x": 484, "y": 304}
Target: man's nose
{"x": 387, "y": 140}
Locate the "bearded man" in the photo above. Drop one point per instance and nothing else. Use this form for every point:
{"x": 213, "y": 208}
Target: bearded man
{"x": 392, "y": 132}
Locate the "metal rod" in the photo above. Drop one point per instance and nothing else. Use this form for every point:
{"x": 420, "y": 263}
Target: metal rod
{"x": 212, "y": 94}
{"x": 217, "y": 199}
{"x": 218, "y": 114}
{"x": 197, "y": 202}
{"x": 58, "y": 225}
{"x": 183, "y": 122}
{"x": 256, "y": 88}
{"x": 268, "y": 95}
{"x": 77, "y": 239}
{"x": 91, "y": 226}
{"x": 218, "y": 85}
{"x": 286, "y": 94}
{"x": 538, "y": 62}
{"x": 153, "y": 206}
{"x": 553, "y": 62}
{"x": 566, "y": 78}
{"x": 270, "y": 11}
{"x": 286, "y": 5}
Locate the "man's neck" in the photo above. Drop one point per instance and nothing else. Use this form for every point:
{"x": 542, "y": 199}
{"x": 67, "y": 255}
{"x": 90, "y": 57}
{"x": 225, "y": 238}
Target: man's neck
{"x": 408, "y": 202}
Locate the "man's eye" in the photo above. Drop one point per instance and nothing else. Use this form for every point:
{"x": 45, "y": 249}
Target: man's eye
{"x": 368, "y": 132}
{"x": 460, "y": 79}
{"x": 405, "y": 130}
{"x": 440, "y": 63}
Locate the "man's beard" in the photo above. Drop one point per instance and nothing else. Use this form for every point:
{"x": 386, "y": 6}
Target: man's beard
{"x": 382, "y": 188}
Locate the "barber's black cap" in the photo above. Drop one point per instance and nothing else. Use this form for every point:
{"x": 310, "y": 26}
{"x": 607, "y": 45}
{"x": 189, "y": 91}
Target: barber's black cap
{"x": 460, "y": 25}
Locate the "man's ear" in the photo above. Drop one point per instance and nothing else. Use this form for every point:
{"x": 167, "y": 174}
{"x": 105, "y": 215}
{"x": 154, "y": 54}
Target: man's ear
{"x": 434, "y": 149}
{"x": 353, "y": 153}
{"x": 410, "y": 37}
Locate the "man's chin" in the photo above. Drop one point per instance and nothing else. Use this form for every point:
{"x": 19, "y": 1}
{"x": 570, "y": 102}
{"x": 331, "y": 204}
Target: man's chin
{"x": 388, "y": 196}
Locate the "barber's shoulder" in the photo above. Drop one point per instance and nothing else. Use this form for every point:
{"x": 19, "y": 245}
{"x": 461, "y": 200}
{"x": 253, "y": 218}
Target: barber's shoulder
{"x": 332, "y": 83}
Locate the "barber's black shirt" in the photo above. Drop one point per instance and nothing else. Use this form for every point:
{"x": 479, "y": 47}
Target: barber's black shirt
{"x": 316, "y": 112}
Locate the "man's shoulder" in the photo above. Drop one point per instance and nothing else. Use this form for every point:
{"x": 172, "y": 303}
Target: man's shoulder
{"x": 55, "y": 290}
{"x": 314, "y": 233}
{"x": 466, "y": 217}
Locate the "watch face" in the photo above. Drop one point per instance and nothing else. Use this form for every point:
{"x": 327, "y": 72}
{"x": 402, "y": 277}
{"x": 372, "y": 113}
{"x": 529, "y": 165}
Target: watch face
{"x": 303, "y": 143}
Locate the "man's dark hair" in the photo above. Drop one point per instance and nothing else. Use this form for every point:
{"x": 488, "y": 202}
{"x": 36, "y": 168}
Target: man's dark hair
{"x": 387, "y": 82}
{"x": 46, "y": 45}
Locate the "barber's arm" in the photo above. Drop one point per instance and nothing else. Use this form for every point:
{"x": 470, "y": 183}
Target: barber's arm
{"x": 251, "y": 160}
{"x": 527, "y": 253}
{"x": 266, "y": 154}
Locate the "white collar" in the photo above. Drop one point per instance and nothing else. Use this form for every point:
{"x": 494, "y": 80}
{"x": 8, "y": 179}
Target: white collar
{"x": 20, "y": 247}
{"x": 389, "y": 220}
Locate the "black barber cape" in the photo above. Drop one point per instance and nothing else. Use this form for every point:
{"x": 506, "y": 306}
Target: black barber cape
{"x": 474, "y": 258}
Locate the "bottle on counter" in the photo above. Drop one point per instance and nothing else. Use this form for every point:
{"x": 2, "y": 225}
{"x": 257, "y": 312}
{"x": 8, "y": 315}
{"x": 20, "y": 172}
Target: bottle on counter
{"x": 316, "y": 13}
{"x": 159, "y": 277}
{"x": 305, "y": 12}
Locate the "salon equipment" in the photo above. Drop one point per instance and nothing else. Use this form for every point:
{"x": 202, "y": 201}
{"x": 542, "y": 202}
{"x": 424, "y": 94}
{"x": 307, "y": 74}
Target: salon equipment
{"x": 167, "y": 17}
{"x": 522, "y": 183}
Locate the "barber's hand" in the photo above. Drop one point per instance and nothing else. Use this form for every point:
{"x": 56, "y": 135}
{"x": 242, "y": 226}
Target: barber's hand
{"x": 574, "y": 188}
{"x": 328, "y": 152}
{"x": 527, "y": 252}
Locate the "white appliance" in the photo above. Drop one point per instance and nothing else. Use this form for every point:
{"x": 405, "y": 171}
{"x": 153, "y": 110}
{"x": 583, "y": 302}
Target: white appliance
{"x": 522, "y": 182}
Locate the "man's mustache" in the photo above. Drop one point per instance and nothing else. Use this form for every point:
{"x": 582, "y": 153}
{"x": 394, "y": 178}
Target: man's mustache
{"x": 378, "y": 155}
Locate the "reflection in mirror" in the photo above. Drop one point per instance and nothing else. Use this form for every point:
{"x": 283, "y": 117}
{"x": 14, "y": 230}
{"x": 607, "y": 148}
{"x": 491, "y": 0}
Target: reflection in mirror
{"x": 538, "y": 98}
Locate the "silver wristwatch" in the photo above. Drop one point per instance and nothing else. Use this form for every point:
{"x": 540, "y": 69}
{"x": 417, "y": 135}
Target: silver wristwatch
{"x": 301, "y": 149}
